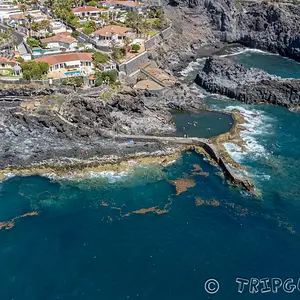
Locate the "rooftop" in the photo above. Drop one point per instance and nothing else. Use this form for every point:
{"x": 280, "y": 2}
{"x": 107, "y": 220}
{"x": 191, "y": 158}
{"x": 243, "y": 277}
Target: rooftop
{"x": 6, "y": 60}
{"x": 86, "y": 9}
{"x": 60, "y": 37}
{"x": 17, "y": 16}
{"x": 111, "y": 29}
{"x": 124, "y": 3}
{"x": 65, "y": 57}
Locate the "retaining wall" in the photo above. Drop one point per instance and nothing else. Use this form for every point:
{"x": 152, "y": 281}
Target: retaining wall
{"x": 134, "y": 64}
{"x": 156, "y": 39}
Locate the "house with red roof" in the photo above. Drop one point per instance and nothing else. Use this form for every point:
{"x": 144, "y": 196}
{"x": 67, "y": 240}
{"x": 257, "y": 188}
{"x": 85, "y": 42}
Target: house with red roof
{"x": 9, "y": 67}
{"x": 61, "y": 40}
{"x": 110, "y": 34}
{"x": 68, "y": 64}
{"x": 126, "y": 5}
{"x": 88, "y": 11}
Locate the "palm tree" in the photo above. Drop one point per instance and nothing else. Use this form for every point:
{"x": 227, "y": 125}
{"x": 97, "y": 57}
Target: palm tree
{"x": 35, "y": 27}
{"x": 29, "y": 20}
{"x": 127, "y": 41}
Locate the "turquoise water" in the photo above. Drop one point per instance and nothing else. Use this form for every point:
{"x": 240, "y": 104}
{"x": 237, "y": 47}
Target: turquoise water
{"x": 69, "y": 73}
{"x": 86, "y": 242}
{"x": 39, "y": 50}
{"x": 273, "y": 64}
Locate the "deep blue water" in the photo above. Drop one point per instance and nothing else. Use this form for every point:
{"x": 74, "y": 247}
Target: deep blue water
{"x": 87, "y": 244}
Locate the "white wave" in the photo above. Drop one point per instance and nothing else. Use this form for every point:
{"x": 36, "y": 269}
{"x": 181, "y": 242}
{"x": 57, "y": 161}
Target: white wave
{"x": 235, "y": 151}
{"x": 9, "y": 175}
{"x": 109, "y": 175}
{"x": 257, "y": 124}
{"x": 238, "y": 51}
{"x": 192, "y": 66}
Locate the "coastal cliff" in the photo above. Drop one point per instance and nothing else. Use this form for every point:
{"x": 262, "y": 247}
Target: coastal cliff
{"x": 222, "y": 76}
{"x": 202, "y": 26}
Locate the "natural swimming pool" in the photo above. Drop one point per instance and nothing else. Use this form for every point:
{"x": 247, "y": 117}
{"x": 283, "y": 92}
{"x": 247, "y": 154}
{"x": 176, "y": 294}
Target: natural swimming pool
{"x": 204, "y": 123}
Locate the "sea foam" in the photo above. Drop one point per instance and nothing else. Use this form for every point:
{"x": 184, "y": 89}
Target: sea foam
{"x": 257, "y": 124}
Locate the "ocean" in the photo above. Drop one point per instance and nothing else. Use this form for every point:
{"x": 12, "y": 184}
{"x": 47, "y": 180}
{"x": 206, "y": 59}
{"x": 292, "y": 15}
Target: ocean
{"x": 135, "y": 236}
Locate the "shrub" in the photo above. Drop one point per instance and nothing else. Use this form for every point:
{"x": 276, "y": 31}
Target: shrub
{"x": 119, "y": 53}
{"x": 99, "y": 58}
{"x": 32, "y": 43}
{"x": 77, "y": 81}
{"x": 34, "y": 70}
{"x": 135, "y": 47}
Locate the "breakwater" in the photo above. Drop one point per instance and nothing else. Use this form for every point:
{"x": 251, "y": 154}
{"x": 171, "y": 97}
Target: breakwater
{"x": 229, "y": 173}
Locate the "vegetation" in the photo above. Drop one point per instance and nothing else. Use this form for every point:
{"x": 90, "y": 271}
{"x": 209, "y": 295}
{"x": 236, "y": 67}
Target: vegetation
{"x": 135, "y": 48}
{"x": 155, "y": 13}
{"x": 6, "y": 72}
{"x": 92, "y": 3}
{"x": 63, "y": 10}
{"x": 119, "y": 53}
{"x": 32, "y": 43}
{"x": 75, "y": 34}
{"x": 4, "y": 36}
{"x": 107, "y": 77}
{"x": 99, "y": 57}
{"x": 89, "y": 27}
{"x": 34, "y": 70}
{"x": 20, "y": 60}
{"x": 77, "y": 81}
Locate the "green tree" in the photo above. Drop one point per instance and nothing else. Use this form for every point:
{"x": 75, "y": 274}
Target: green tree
{"x": 60, "y": 5}
{"x": 35, "y": 26}
{"x": 20, "y": 59}
{"x": 32, "y": 43}
{"x": 107, "y": 76}
{"x": 99, "y": 57}
{"x": 89, "y": 27}
{"x": 92, "y": 3}
{"x": 119, "y": 53}
{"x": 135, "y": 48}
{"x": 75, "y": 34}
{"x": 77, "y": 81}
{"x": 34, "y": 70}
{"x": 29, "y": 19}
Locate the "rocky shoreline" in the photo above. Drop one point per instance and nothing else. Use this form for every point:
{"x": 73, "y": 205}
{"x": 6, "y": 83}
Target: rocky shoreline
{"x": 60, "y": 128}
{"x": 52, "y": 129}
{"x": 204, "y": 27}
{"x": 249, "y": 85}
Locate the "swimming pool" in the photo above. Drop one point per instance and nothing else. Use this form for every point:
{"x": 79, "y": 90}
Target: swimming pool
{"x": 69, "y": 73}
{"x": 39, "y": 50}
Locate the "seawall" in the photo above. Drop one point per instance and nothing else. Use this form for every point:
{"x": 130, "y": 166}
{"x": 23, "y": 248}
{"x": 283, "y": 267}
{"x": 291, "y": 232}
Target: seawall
{"x": 209, "y": 148}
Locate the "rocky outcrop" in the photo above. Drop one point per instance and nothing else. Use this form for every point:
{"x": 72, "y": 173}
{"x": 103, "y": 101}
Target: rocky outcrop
{"x": 273, "y": 27}
{"x": 82, "y": 127}
{"x": 27, "y": 90}
{"x": 222, "y": 76}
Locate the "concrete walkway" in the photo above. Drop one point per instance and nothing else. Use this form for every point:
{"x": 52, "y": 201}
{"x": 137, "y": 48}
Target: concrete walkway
{"x": 228, "y": 171}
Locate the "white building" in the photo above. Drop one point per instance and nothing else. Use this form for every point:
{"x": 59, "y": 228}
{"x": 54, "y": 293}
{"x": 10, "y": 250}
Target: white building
{"x": 88, "y": 11}
{"x": 110, "y": 34}
{"x": 68, "y": 64}
{"x": 61, "y": 40}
